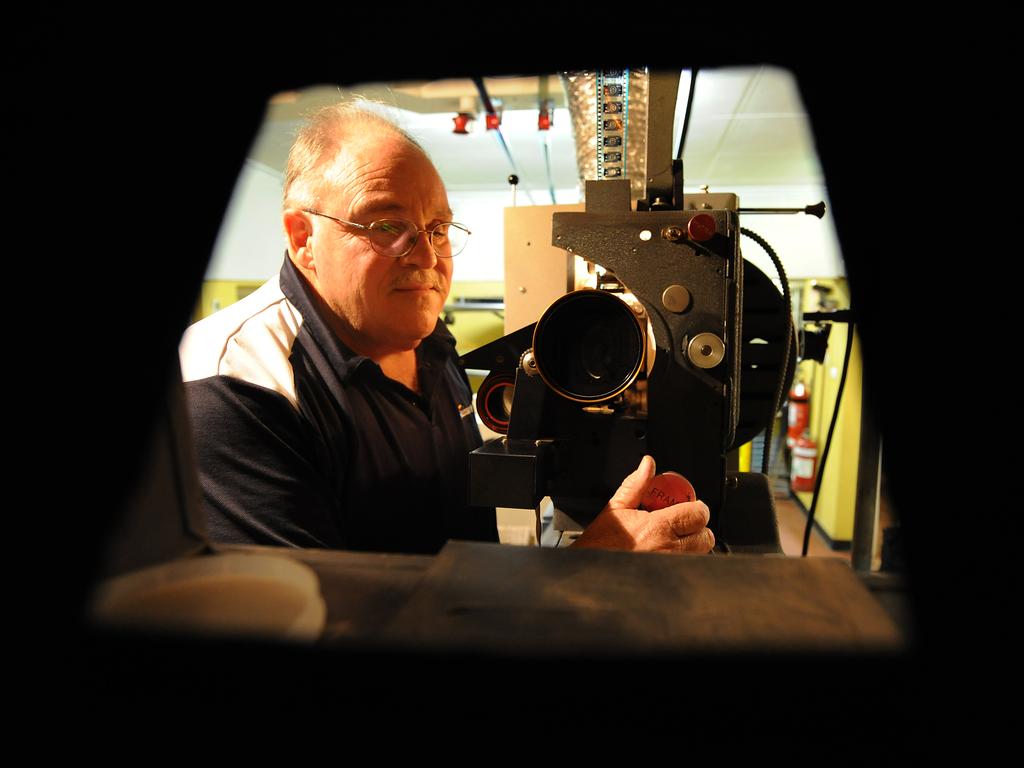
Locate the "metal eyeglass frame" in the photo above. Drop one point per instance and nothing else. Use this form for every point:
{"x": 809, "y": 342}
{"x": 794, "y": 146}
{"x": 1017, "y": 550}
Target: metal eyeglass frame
{"x": 370, "y": 226}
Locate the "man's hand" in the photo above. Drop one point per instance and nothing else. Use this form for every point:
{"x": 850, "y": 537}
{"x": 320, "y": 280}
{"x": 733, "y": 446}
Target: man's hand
{"x": 678, "y": 528}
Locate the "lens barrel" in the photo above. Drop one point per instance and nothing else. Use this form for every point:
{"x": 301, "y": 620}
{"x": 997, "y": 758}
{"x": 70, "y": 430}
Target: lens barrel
{"x": 589, "y": 346}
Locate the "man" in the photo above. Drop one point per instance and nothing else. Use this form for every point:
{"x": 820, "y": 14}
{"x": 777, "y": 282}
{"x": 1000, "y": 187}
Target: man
{"x": 328, "y": 407}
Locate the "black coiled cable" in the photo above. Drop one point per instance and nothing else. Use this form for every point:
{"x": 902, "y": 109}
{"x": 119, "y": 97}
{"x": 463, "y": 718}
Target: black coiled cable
{"x": 777, "y": 402}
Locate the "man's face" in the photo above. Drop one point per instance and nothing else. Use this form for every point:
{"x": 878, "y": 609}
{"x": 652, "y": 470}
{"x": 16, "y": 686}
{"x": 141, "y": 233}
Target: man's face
{"x": 383, "y": 304}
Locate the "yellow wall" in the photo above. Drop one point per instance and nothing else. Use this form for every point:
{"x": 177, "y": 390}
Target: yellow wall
{"x": 217, "y": 294}
{"x": 834, "y": 512}
{"x": 474, "y": 328}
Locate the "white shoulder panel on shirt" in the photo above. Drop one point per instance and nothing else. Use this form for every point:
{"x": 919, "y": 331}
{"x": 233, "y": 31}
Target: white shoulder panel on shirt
{"x": 250, "y": 340}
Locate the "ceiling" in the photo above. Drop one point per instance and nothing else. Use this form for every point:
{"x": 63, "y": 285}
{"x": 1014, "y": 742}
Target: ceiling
{"x": 747, "y": 128}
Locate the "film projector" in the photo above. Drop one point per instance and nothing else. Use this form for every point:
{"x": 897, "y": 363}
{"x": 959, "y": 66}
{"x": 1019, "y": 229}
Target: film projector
{"x": 682, "y": 350}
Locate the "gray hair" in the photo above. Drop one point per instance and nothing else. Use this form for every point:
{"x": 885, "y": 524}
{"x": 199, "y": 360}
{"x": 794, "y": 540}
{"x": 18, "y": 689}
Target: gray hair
{"x": 318, "y": 141}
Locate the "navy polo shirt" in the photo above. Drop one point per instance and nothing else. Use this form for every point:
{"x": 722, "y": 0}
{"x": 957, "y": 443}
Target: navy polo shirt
{"x": 301, "y": 442}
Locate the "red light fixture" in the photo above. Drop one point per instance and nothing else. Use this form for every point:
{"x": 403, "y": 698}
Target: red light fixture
{"x": 493, "y": 121}
{"x": 462, "y": 121}
{"x": 545, "y": 118}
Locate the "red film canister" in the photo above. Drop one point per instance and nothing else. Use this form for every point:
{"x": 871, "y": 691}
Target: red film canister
{"x": 667, "y": 489}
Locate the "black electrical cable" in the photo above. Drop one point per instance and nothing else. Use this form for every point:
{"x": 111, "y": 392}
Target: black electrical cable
{"x": 828, "y": 440}
{"x": 777, "y": 401}
{"x": 686, "y": 114}
{"x": 489, "y": 107}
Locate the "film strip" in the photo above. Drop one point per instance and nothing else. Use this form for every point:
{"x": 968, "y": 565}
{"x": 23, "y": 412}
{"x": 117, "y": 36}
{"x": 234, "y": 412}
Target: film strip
{"x": 612, "y": 121}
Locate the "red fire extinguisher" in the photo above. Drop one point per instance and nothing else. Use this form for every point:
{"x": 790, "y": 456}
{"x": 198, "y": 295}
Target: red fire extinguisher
{"x": 799, "y": 413}
{"x": 804, "y": 464}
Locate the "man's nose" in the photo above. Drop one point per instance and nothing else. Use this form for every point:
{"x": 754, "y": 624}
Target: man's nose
{"x": 422, "y": 254}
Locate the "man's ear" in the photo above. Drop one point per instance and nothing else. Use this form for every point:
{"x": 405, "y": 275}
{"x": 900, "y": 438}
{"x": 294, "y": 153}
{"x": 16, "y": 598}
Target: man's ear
{"x": 299, "y": 231}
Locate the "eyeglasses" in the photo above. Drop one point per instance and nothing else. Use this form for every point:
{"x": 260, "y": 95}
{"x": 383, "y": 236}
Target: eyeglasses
{"x": 397, "y": 237}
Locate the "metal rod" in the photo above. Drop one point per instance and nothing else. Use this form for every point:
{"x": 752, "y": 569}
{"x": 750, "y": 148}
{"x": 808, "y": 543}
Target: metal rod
{"x": 818, "y": 209}
{"x": 475, "y": 306}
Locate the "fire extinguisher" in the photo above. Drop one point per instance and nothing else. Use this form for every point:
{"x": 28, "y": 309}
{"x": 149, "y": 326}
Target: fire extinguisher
{"x": 799, "y": 413}
{"x": 804, "y": 464}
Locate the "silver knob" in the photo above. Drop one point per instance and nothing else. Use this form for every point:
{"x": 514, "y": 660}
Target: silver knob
{"x": 706, "y": 350}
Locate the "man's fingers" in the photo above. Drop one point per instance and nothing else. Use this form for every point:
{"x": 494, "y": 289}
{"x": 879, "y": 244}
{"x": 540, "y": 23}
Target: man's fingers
{"x": 686, "y": 518}
{"x": 702, "y": 542}
{"x": 631, "y": 492}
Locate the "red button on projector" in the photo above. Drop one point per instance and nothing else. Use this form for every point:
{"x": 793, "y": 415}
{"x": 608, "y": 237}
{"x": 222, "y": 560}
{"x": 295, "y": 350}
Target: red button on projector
{"x": 701, "y": 227}
{"x": 667, "y": 489}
